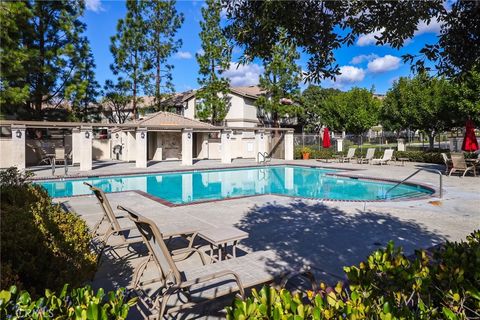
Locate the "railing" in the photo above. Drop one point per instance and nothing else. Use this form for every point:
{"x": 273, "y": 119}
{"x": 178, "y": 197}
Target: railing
{"x": 440, "y": 190}
{"x": 266, "y": 157}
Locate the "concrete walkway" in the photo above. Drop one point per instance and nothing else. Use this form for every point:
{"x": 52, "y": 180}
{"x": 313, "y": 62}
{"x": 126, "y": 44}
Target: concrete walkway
{"x": 323, "y": 234}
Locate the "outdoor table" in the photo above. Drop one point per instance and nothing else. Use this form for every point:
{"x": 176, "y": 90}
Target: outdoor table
{"x": 219, "y": 239}
{"x": 472, "y": 162}
{"x": 403, "y": 160}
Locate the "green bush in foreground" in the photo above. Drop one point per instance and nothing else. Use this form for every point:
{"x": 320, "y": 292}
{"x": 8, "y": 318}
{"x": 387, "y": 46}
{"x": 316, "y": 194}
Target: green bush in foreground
{"x": 444, "y": 284}
{"x": 42, "y": 246}
{"x": 82, "y": 303}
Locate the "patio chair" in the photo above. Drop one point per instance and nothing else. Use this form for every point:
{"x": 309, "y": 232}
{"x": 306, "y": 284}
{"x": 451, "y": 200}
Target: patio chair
{"x": 459, "y": 164}
{"x": 368, "y": 157}
{"x": 350, "y": 155}
{"x": 200, "y": 284}
{"x": 100, "y": 238}
{"x": 387, "y": 157}
{"x": 448, "y": 163}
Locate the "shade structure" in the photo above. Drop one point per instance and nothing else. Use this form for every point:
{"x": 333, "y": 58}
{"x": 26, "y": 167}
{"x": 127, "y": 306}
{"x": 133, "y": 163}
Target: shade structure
{"x": 470, "y": 142}
{"x": 326, "y": 138}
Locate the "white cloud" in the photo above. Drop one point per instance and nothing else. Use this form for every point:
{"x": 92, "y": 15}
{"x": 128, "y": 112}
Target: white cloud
{"x": 94, "y": 5}
{"x": 350, "y": 74}
{"x": 369, "y": 38}
{"x": 243, "y": 75}
{"x": 223, "y": 13}
{"x": 183, "y": 55}
{"x": 363, "y": 57}
{"x": 383, "y": 64}
{"x": 433, "y": 27}
{"x": 200, "y": 52}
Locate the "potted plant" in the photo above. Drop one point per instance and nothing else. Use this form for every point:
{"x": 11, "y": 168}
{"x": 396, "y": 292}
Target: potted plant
{"x": 306, "y": 151}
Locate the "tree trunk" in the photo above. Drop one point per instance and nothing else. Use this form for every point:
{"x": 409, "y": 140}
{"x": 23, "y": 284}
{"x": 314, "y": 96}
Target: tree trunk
{"x": 134, "y": 105}
{"x": 38, "y": 95}
{"x": 157, "y": 82}
{"x": 431, "y": 140}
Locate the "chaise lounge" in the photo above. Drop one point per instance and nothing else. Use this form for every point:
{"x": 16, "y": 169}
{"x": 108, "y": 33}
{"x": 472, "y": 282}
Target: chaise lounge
{"x": 203, "y": 283}
{"x": 387, "y": 157}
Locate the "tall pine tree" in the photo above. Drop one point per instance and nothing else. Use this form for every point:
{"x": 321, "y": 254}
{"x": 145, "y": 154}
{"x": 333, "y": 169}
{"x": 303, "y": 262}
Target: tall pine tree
{"x": 41, "y": 52}
{"x": 214, "y": 60}
{"x": 280, "y": 81}
{"x": 128, "y": 49}
{"x": 163, "y": 22}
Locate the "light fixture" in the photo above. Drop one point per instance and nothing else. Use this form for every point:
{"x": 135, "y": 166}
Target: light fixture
{"x": 261, "y": 135}
{"x": 142, "y": 135}
{"x": 116, "y": 135}
{"x": 87, "y": 134}
{"x": 228, "y": 135}
{"x": 18, "y": 134}
{"x": 189, "y": 135}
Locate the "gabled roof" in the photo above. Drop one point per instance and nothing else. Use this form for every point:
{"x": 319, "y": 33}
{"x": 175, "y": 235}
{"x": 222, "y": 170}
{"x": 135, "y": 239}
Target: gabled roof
{"x": 252, "y": 92}
{"x": 168, "y": 119}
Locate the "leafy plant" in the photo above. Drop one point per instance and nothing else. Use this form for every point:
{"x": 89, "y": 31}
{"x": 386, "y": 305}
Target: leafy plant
{"x": 81, "y": 303}
{"x": 441, "y": 284}
{"x": 42, "y": 245}
{"x": 306, "y": 150}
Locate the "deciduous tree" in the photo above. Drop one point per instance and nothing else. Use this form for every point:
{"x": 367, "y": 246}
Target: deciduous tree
{"x": 213, "y": 61}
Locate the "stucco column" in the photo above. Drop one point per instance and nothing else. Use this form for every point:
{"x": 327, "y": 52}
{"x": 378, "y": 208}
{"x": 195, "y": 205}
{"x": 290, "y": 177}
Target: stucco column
{"x": 141, "y": 148}
{"x": 401, "y": 145}
{"x": 260, "y": 141}
{"x": 76, "y": 145}
{"x": 339, "y": 145}
{"x": 187, "y": 147}
{"x": 226, "y": 142}
{"x": 288, "y": 140}
{"x": 86, "y": 136}
{"x": 18, "y": 147}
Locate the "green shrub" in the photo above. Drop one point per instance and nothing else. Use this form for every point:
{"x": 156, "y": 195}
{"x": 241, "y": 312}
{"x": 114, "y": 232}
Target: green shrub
{"x": 81, "y": 303}
{"x": 444, "y": 284}
{"x": 421, "y": 156}
{"x": 42, "y": 246}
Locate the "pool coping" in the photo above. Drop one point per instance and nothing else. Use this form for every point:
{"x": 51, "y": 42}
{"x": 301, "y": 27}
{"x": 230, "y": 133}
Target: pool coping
{"x": 167, "y": 203}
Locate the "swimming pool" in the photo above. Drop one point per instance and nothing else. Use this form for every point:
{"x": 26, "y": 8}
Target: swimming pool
{"x": 179, "y": 188}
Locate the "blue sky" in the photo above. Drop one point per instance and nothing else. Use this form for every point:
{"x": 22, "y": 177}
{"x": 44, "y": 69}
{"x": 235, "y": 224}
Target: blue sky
{"x": 363, "y": 64}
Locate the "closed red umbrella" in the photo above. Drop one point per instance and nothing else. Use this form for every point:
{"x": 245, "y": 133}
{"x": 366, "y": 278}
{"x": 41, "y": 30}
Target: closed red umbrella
{"x": 326, "y": 138}
{"x": 470, "y": 142}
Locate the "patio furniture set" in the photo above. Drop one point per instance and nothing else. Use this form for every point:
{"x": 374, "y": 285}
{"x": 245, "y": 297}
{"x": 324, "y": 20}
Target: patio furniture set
{"x": 369, "y": 157}
{"x": 458, "y": 162}
{"x": 224, "y": 273}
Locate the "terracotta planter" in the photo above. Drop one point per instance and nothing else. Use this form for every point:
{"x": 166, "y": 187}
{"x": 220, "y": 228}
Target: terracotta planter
{"x": 306, "y": 156}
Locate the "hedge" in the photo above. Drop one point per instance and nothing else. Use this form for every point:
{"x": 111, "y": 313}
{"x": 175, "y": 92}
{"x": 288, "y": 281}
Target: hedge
{"x": 42, "y": 246}
{"x": 415, "y": 156}
{"x": 441, "y": 284}
{"x": 80, "y": 303}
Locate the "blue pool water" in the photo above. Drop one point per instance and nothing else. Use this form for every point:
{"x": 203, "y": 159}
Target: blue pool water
{"x": 196, "y": 186}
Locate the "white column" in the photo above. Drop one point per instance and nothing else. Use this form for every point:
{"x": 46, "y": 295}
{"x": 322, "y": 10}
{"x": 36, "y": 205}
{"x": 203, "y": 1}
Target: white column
{"x": 339, "y": 145}
{"x": 260, "y": 141}
{"x": 18, "y": 147}
{"x": 401, "y": 145}
{"x": 76, "y": 145}
{"x": 226, "y": 142}
{"x": 288, "y": 140}
{"x": 141, "y": 148}
{"x": 187, "y": 147}
{"x": 86, "y": 136}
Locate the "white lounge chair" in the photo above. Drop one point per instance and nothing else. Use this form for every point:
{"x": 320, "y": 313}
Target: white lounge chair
{"x": 368, "y": 157}
{"x": 387, "y": 156}
{"x": 350, "y": 155}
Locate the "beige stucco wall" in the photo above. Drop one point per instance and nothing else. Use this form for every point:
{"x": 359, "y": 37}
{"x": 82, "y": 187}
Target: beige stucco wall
{"x": 101, "y": 149}
{"x": 189, "y": 110}
{"x": 164, "y": 145}
{"x": 5, "y": 152}
{"x": 214, "y": 148}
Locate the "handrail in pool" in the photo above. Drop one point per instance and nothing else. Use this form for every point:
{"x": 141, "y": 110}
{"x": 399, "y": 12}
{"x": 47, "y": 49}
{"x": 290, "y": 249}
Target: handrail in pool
{"x": 413, "y": 174}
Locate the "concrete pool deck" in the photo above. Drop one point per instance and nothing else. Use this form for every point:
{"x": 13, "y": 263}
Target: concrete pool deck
{"x": 326, "y": 235}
